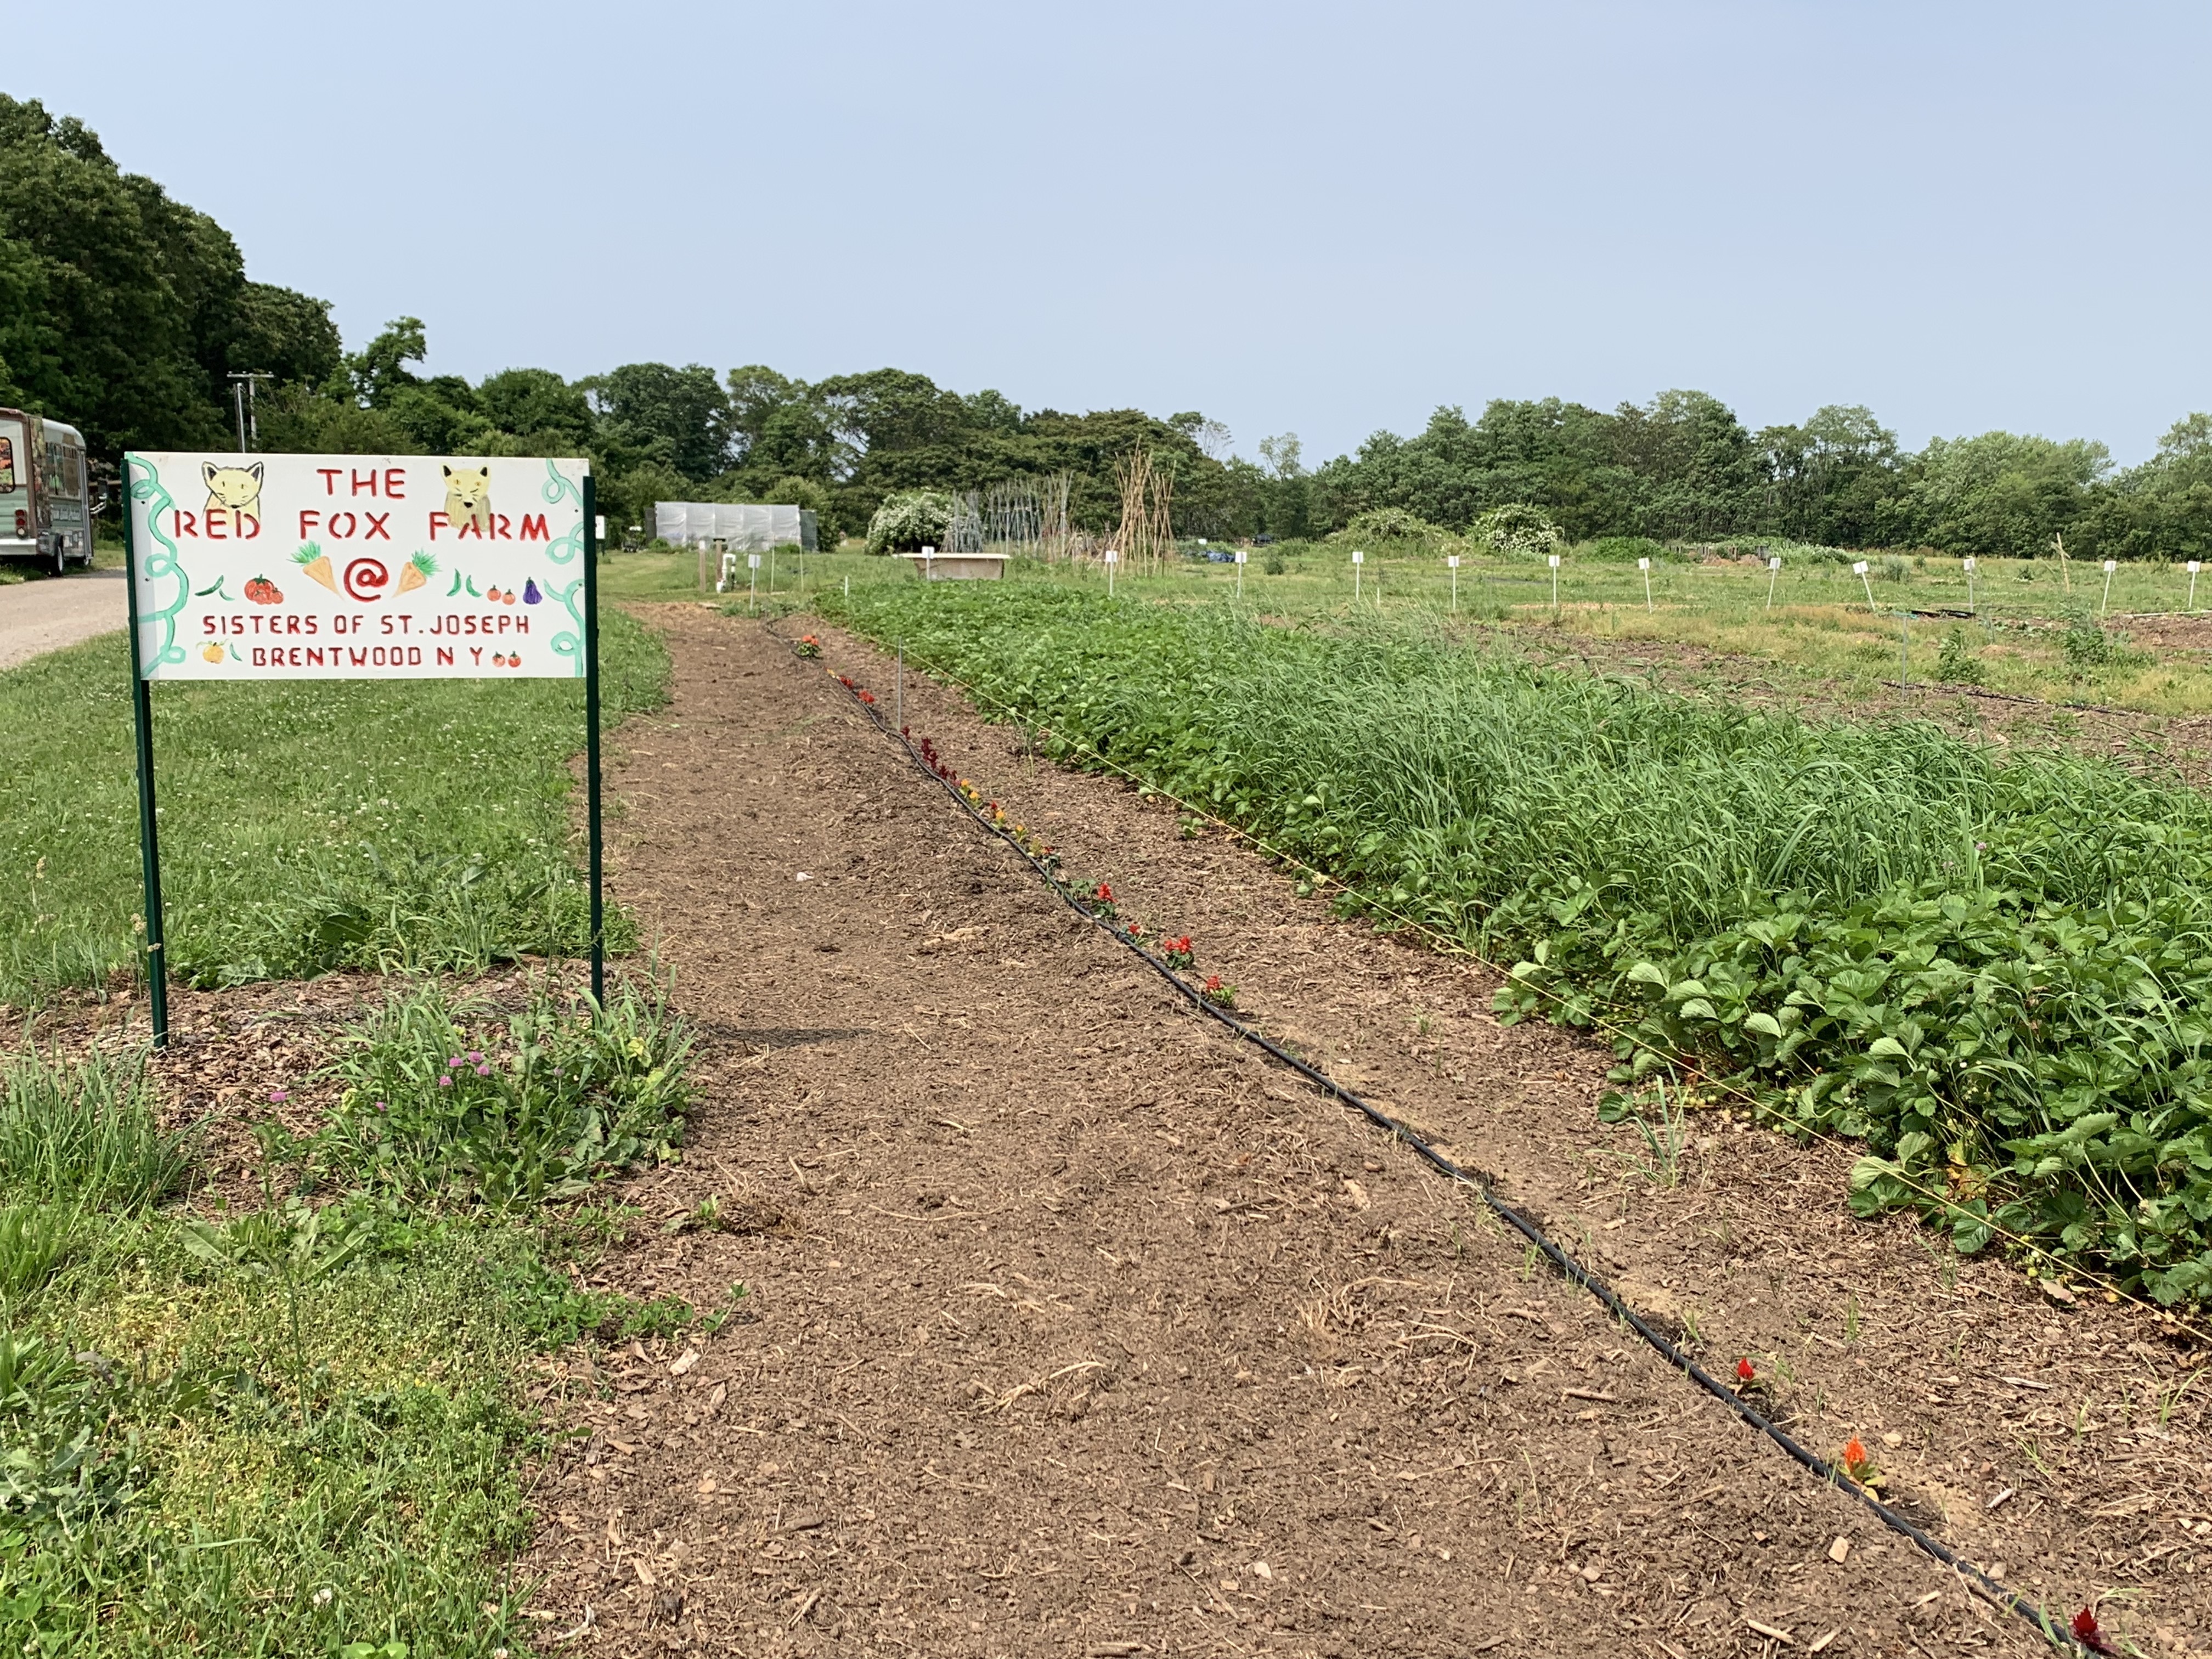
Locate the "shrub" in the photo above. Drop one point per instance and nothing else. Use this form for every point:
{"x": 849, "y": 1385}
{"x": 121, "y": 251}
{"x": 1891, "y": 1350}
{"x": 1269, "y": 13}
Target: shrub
{"x": 1623, "y": 549}
{"x": 1957, "y": 663}
{"x": 2090, "y": 646}
{"x": 1517, "y": 531}
{"x": 910, "y": 519}
{"x": 1391, "y": 524}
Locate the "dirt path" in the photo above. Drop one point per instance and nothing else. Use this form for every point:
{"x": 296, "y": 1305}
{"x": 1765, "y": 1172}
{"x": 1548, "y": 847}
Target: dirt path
{"x": 39, "y": 617}
{"x": 1085, "y": 1330}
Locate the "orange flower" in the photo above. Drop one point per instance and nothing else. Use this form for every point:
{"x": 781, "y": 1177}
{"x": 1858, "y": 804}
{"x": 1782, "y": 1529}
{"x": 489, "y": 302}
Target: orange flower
{"x": 1858, "y": 1465}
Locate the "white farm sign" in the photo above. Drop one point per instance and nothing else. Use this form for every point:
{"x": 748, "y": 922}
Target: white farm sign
{"x": 357, "y": 567}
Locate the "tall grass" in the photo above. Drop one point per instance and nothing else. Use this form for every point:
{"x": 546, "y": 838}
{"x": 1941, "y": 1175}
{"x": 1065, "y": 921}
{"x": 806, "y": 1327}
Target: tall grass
{"x": 1980, "y": 963}
{"x": 85, "y": 1133}
{"x": 305, "y": 826}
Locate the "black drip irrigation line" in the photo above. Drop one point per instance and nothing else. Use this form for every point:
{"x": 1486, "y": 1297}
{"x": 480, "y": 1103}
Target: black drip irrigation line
{"x": 1969, "y": 1574}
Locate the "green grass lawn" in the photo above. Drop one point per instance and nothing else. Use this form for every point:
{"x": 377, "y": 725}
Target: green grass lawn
{"x": 302, "y": 1428}
{"x": 305, "y": 826}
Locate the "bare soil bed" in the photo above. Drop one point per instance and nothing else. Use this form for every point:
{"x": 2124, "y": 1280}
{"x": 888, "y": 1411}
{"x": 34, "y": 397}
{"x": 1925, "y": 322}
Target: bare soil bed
{"x": 1079, "y": 1326}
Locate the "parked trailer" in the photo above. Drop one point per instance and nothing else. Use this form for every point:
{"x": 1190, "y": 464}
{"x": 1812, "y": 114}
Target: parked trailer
{"x": 46, "y": 512}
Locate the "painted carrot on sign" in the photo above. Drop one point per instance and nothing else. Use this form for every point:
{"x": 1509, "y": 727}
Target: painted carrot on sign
{"x": 415, "y": 572}
{"x": 315, "y": 565}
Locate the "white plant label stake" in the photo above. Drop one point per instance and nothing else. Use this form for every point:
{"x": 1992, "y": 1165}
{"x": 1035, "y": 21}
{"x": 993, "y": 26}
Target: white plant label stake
{"x": 929, "y": 563}
{"x": 1555, "y": 581}
{"x": 1970, "y": 587}
{"x": 752, "y": 563}
{"x": 1451, "y": 563}
{"x": 1113, "y": 558}
{"x": 1859, "y": 569}
{"x": 2111, "y": 565}
{"x": 1358, "y": 559}
{"x": 1242, "y": 556}
{"x": 2194, "y": 566}
{"x": 1644, "y": 565}
{"x": 1773, "y": 575}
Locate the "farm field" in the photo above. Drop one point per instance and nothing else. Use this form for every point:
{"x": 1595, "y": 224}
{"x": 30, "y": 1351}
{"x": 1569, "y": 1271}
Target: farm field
{"x": 1878, "y": 930}
{"x": 939, "y": 1283}
{"x": 2026, "y": 637}
{"x": 1086, "y": 1309}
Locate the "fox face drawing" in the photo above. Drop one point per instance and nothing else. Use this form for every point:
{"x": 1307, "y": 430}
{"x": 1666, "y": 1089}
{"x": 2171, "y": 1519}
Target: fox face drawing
{"x": 233, "y": 494}
{"x": 468, "y": 497}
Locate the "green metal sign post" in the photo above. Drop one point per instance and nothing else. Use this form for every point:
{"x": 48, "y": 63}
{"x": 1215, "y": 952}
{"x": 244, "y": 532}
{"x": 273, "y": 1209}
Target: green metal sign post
{"x": 592, "y": 736}
{"x": 149, "y": 828}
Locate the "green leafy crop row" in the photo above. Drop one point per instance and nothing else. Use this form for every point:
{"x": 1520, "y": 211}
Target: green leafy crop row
{"x": 1994, "y": 970}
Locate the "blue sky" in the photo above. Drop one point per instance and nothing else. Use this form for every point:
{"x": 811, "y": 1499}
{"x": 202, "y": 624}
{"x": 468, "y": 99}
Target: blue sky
{"x": 1324, "y": 219}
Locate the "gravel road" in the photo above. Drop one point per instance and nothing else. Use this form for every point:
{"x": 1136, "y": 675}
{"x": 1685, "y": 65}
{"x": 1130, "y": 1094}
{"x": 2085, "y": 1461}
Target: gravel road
{"x": 40, "y": 617}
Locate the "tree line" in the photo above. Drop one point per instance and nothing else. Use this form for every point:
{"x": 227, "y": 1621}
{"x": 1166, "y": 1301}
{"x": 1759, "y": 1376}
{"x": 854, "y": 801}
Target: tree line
{"x": 125, "y": 312}
{"x": 1684, "y": 468}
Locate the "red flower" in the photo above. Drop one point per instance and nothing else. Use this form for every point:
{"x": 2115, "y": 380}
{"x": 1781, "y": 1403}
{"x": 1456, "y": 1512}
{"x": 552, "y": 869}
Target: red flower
{"x": 1104, "y": 895}
{"x": 1213, "y": 982}
{"x": 1744, "y": 1373}
{"x": 867, "y": 696}
{"x": 2087, "y": 1633}
{"x": 1857, "y": 1464}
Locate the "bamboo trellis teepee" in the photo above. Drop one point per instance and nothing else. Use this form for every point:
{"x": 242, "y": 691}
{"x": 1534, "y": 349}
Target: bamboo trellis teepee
{"x": 1146, "y": 536}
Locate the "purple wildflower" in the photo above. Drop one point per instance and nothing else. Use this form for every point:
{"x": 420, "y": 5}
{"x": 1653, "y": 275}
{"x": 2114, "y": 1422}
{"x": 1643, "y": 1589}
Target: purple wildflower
{"x": 445, "y": 1083}
{"x": 483, "y": 1070}
{"x": 279, "y": 1096}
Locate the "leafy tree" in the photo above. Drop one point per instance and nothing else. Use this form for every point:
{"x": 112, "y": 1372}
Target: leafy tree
{"x": 2161, "y": 509}
{"x": 1829, "y": 480}
{"x": 537, "y": 401}
{"x": 285, "y": 334}
{"x": 116, "y": 279}
{"x": 1699, "y": 467}
{"x": 650, "y": 411}
{"x": 1999, "y": 493}
{"x": 892, "y": 409}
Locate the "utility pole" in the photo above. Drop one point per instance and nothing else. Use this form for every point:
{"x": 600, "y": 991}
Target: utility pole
{"x": 242, "y": 386}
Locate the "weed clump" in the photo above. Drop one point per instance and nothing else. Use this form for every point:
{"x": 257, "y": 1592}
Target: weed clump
{"x": 1957, "y": 663}
{"x": 86, "y": 1133}
{"x": 447, "y": 1100}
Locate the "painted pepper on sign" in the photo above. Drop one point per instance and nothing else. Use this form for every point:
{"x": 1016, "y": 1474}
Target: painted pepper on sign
{"x": 345, "y": 567}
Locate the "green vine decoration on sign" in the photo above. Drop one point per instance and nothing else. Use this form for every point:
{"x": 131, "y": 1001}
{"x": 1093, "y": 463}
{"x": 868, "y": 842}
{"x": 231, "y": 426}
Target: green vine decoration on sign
{"x": 566, "y": 644}
{"x": 559, "y": 487}
{"x": 159, "y": 564}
